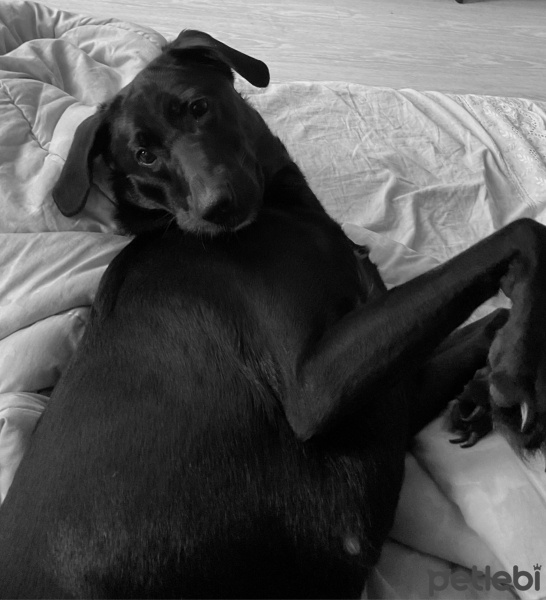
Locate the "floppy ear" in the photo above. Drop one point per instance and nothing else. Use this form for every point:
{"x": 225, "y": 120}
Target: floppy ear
{"x": 72, "y": 188}
{"x": 252, "y": 69}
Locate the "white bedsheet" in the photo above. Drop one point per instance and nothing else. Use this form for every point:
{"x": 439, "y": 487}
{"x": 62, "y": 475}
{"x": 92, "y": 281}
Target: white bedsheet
{"x": 417, "y": 176}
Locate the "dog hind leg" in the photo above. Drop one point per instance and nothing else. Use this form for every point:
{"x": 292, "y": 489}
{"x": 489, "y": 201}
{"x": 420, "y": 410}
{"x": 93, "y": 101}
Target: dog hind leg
{"x": 452, "y": 366}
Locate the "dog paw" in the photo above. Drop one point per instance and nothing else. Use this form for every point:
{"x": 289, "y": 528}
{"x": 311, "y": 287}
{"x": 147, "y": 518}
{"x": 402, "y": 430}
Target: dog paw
{"x": 470, "y": 414}
{"x": 519, "y": 410}
{"x": 517, "y": 382}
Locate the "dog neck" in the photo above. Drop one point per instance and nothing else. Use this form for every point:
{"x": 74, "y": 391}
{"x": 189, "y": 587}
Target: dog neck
{"x": 270, "y": 152}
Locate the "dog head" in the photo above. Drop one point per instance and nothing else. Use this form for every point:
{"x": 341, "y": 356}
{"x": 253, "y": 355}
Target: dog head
{"x": 180, "y": 142}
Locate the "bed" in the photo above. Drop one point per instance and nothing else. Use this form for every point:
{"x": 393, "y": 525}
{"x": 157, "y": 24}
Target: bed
{"x": 416, "y": 176}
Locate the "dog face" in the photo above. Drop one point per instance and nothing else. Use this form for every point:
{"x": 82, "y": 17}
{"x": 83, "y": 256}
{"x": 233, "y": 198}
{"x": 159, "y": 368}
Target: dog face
{"x": 178, "y": 143}
{"x": 181, "y": 143}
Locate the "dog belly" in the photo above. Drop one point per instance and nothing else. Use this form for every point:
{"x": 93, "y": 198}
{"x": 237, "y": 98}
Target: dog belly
{"x": 200, "y": 486}
{"x": 246, "y": 511}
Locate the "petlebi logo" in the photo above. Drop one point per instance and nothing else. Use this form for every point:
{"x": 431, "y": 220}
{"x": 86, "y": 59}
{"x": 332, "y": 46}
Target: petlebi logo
{"x": 484, "y": 580}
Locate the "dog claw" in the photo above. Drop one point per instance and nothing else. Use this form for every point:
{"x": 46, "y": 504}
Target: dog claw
{"x": 526, "y": 417}
{"x": 466, "y": 440}
{"x": 458, "y": 440}
{"x": 472, "y": 439}
{"x": 475, "y": 415}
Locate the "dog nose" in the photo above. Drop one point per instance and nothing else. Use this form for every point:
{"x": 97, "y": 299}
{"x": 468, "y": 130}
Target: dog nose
{"x": 222, "y": 212}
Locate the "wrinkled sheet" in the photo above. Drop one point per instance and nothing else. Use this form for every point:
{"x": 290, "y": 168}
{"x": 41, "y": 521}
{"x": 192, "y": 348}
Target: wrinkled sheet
{"x": 416, "y": 176}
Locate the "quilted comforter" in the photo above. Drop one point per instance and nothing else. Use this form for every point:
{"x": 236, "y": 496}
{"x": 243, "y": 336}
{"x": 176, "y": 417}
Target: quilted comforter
{"x": 416, "y": 176}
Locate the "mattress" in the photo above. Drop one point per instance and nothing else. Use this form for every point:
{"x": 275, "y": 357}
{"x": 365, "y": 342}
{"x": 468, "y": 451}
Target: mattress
{"x": 417, "y": 176}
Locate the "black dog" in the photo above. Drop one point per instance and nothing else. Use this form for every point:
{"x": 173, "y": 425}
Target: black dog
{"x": 235, "y": 419}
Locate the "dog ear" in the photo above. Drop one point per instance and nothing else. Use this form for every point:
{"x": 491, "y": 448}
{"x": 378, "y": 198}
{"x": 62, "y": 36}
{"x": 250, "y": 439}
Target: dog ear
{"x": 252, "y": 69}
{"x": 72, "y": 188}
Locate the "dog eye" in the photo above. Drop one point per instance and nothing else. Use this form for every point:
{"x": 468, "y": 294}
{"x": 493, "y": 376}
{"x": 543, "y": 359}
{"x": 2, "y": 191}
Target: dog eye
{"x": 145, "y": 157}
{"x": 199, "y": 108}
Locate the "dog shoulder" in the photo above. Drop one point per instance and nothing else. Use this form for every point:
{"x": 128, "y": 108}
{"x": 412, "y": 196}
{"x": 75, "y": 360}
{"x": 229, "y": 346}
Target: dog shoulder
{"x": 114, "y": 277}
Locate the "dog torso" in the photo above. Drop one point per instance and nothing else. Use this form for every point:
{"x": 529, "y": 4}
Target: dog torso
{"x": 183, "y": 474}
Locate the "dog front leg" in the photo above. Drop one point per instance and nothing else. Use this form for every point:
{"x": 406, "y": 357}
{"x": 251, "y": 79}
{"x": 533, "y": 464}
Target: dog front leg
{"x": 374, "y": 346}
